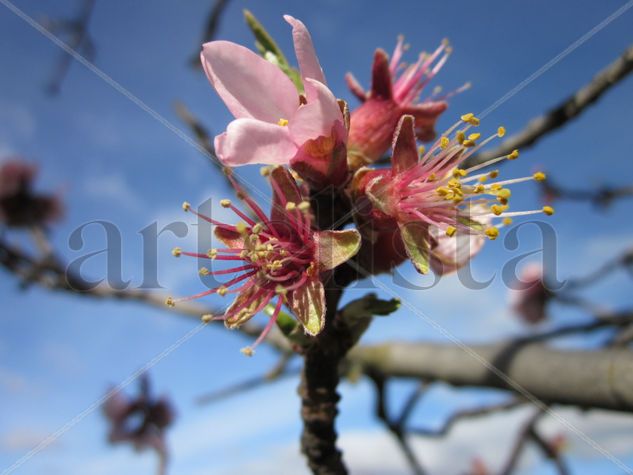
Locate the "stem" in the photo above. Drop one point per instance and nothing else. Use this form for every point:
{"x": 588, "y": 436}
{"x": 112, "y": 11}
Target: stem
{"x": 319, "y": 398}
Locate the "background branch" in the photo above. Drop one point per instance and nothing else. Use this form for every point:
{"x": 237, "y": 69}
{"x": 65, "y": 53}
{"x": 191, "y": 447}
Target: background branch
{"x": 568, "y": 110}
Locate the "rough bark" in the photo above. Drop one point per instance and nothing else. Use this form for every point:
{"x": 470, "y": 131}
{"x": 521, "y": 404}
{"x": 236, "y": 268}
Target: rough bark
{"x": 587, "y": 379}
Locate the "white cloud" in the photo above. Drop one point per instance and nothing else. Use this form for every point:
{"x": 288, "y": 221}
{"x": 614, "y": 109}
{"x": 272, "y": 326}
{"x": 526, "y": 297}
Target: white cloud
{"x": 113, "y": 189}
{"x": 373, "y": 452}
{"x": 21, "y": 439}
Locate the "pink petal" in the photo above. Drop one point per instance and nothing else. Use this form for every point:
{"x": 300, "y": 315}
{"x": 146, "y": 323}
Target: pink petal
{"x": 248, "y": 141}
{"x": 318, "y": 116}
{"x": 304, "y": 50}
{"x": 249, "y": 85}
{"x": 453, "y": 253}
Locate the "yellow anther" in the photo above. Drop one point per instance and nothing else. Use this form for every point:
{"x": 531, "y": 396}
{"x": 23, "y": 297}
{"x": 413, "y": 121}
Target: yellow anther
{"x": 257, "y": 228}
{"x": 169, "y": 301}
{"x": 483, "y": 179}
{"x": 507, "y": 221}
{"x": 450, "y": 231}
{"x": 247, "y": 351}
{"x": 501, "y": 131}
{"x": 432, "y": 177}
{"x": 176, "y": 252}
{"x": 468, "y": 143}
{"x": 504, "y": 193}
{"x": 459, "y": 172}
{"x": 186, "y": 206}
{"x": 539, "y": 176}
{"x": 460, "y": 136}
{"x": 207, "y": 317}
{"x": 474, "y": 121}
{"x": 493, "y": 174}
{"x": 421, "y": 149}
{"x": 280, "y": 289}
{"x": 496, "y": 187}
{"x": 282, "y": 122}
{"x": 304, "y": 206}
{"x": 497, "y": 209}
{"x": 444, "y": 141}
{"x": 212, "y": 253}
{"x": 243, "y": 254}
{"x": 467, "y": 117}
{"x": 479, "y": 188}
{"x": 203, "y": 271}
{"x": 222, "y": 290}
{"x": 225, "y": 203}
{"x": 241, "y": 227}
{"x": 291, "y": 206}
{"x": 264, "y": 171}
{"x": 513, "y": 155}
{"x": 548, "y": 210}
{"x": 492, "y": 233}
{"x": 474, "y": 136}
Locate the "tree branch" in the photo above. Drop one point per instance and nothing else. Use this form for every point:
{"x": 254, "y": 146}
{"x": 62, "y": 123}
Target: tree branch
{"x": 568, "y": 110}
{"x": 587, "y": 379}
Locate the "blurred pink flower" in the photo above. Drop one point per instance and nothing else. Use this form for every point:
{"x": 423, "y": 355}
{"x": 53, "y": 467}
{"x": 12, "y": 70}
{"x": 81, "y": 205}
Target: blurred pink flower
{"x": 529, "y": 298}
{"x": 140, "y": 421}
{"x": 273, "y": 123}
{"x": 20, "y": 206}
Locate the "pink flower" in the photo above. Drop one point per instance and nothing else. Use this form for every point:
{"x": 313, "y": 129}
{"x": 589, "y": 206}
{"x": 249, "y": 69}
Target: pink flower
{"x": 280, "y": 257}
{"x": 395, "y": 91}
{"x": 529, "y": 300}
{"x": 20, "y": 206}
{"x": 433, "y": 201}
{"x": 141, "y": 420}
{"x": 273, "y": 123}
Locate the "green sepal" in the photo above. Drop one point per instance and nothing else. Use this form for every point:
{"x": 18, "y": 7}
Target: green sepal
{"x": 269, "y": 50}
{"x": 415, "y": 239}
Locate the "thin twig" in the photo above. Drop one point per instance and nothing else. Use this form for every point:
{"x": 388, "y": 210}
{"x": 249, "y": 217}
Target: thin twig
{"x": 466, "y": 414}
{"x": 277, "y": 373}
{"x": 77, "y": 29}
{"x": 210, "y": 29}
{"x": 395, "y": 428}
{"x": 602, "y": 197}
{"x": 568, "y": 110}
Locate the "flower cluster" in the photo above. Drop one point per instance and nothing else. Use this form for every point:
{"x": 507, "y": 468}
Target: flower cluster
{"x": 428, "y": 206}
{"x": 20, "y": 206}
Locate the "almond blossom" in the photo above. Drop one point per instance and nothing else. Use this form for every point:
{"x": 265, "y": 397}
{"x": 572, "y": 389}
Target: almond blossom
{"x": 395, "y": 91}
{"x": 278, "y": 257}
{"x": 275, "y": 124}
{"x": 433, "y": 201}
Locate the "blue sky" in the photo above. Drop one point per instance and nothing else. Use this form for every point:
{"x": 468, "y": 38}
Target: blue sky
{"x": 113, "y": 162}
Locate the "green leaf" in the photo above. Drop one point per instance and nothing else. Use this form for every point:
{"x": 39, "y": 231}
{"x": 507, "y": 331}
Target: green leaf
{"x": 415, "y": 238}
{"x": 336, "y": 247}
{"x": 264, "y": 41}
{"x": 268, "y": 48}
{"x": 368, "y": 306}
